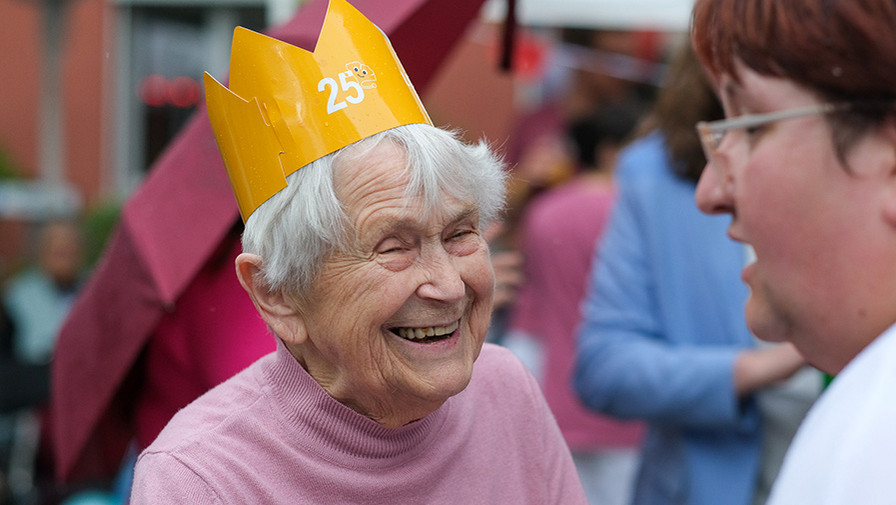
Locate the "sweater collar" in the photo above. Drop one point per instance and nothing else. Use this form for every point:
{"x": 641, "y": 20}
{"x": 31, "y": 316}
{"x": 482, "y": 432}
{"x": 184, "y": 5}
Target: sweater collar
{"x": 334, "y": 430}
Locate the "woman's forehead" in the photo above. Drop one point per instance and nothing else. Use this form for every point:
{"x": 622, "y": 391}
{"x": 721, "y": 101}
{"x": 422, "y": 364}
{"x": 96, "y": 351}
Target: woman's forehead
{"x": 413, "y": 216}
{"x": 756, "y": 90}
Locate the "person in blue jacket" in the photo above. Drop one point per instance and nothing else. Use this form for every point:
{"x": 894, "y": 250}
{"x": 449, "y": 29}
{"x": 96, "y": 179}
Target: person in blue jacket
{"x": 663, "y": 336}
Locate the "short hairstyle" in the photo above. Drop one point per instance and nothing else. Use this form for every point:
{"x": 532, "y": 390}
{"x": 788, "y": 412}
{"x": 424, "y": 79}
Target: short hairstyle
{"x": 300, "y": 226}
{"x": 841, "y": 50}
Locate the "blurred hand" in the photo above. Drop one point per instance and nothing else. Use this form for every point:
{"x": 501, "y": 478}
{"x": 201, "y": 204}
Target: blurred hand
{"x": 507, "y": 263}
{"x": 759, "y": 368}
{"x": 509, "y": 276}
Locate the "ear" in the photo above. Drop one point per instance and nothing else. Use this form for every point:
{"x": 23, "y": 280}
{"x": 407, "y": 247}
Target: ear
{"x": 276, "y": 309}
{"x": 889, "y": 136}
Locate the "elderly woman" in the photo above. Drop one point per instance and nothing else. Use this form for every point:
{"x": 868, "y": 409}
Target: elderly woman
{"x": 370, "y": 267}
{"x": 806, "y": 168}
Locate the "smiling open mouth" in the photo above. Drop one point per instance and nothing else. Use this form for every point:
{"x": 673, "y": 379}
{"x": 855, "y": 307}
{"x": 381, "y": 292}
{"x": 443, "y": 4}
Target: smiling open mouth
{"x": 427, "y": 335}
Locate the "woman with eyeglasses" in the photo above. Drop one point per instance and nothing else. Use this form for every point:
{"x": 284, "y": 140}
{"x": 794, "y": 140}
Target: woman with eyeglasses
{"x": 805, "y": 165}
{"x": 664, "y": 337}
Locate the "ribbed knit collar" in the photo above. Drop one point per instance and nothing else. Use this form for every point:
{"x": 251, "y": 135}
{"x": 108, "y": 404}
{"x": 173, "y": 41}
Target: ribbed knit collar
{"x": 320, "y": 423}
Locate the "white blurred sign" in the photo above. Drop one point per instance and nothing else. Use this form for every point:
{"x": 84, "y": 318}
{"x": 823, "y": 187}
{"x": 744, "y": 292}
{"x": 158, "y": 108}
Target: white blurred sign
{"x": 665, "y": 15}
{"x": 35, "y": 200}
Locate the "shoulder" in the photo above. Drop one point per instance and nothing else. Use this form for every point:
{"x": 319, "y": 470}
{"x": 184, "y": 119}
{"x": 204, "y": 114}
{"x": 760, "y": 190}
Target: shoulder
{"x": 858, "y": 410}
{"x": 226, "y": 407}
{"x": 646, "y": 155}
{"x": 26, "y": 284}
{"x": 643, "y": 173}
{"x": 498, "y": 370}
{"x": 495, "y": 359}
{"x": 214, "y": 446}
{"x": 502, "y": 391}
{"x": 161, "y": 478}
{"x": 865, "y": 387}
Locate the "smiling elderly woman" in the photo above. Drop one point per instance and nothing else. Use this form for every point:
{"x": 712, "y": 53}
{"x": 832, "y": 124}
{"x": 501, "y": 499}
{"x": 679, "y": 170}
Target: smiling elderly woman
{"x": 379, "y": 283}
{"x": 366, "y": 259}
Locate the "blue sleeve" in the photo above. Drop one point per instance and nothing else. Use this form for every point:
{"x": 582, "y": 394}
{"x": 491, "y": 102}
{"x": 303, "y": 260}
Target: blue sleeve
{"x": 651, "y": 346}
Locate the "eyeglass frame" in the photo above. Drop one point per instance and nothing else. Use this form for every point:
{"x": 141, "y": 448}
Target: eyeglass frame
{"x": 712, "y": 133}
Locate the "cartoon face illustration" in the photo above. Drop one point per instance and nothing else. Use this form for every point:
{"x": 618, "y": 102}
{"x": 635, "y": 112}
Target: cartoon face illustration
{"x": 363, "y": 73}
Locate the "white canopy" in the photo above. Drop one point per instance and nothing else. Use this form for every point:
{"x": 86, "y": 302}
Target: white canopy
{"x": 665, "y": 15}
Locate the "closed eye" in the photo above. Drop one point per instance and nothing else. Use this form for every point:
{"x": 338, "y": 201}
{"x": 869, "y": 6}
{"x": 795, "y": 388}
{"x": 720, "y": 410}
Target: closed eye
{"x": 392, "y": 245}
{"x": 395, "y": 254}
{"x": 392, "y": 249}
{"x": 463, "y": 242}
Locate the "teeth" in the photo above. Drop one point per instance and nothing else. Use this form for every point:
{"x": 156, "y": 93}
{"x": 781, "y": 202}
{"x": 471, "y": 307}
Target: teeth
{"x": 750, "y": 254}
{"x": 421, "y": 333}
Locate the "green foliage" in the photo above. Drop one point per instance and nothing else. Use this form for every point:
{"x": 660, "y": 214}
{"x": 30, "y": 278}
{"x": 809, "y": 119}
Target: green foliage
{"x": 8, "y": 168}
{"x": 99, "y": 223}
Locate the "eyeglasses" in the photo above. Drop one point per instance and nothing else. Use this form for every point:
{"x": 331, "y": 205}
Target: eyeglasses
{"x": 712, "y": 133}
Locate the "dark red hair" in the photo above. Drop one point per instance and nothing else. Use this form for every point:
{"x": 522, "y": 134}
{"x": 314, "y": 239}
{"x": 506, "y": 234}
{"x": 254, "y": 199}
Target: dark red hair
{"x": 841, "y": 49}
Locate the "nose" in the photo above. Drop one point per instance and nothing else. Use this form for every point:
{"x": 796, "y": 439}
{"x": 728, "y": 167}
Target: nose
{"x": 443, "y": 280}
{"x": 714, "y": 190}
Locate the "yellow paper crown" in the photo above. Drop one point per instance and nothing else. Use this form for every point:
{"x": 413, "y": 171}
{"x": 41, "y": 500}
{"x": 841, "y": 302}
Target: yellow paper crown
{"x": 287, "y": 107}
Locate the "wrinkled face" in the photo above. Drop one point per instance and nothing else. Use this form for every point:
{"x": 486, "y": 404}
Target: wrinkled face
{"x": 396, "y": 321}
{"x": 821, "y": 277}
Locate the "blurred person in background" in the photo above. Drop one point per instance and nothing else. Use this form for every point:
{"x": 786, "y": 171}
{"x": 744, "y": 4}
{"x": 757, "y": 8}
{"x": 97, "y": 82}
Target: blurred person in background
{"x": 805, "y": 167}
{"x": 664, "y": 337}
{"x": 558, "y": 232}
{"x": 36, "y": 300}
{"x": 589, "y": 69}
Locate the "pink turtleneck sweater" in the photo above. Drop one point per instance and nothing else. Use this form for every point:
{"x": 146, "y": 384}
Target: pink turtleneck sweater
{"x": 271, "y": 434}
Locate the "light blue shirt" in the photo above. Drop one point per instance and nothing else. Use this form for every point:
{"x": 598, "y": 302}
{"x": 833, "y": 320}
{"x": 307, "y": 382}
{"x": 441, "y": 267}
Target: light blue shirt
{"x": 663, "y": 323}
{"x": 37, "y": 308}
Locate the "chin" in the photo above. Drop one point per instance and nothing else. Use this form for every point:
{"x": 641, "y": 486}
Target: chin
{"x": 761, "y": 322}
{"x": 449, "y": 384}
{"x": 448, "y": 380}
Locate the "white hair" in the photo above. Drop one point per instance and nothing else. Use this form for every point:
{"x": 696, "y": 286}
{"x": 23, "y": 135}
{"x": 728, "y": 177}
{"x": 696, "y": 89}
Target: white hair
{"x": 296, "y": 229}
